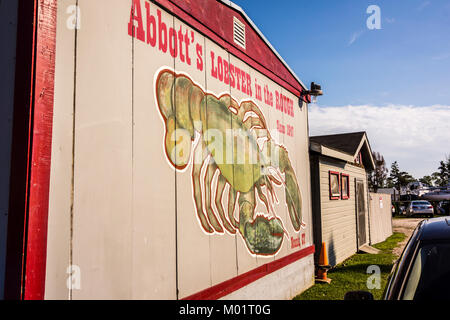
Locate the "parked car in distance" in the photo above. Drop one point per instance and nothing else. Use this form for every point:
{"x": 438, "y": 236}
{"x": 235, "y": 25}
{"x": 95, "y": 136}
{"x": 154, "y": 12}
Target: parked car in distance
{"x": 444, "y": 207}
{"x": 421, "y": 207}
{"x": 423, "y": 270}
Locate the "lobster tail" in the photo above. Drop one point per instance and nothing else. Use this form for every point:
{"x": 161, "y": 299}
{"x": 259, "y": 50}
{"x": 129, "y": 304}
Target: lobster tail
{"x": 179, "y": 102}
{"x": 165, "y": 93}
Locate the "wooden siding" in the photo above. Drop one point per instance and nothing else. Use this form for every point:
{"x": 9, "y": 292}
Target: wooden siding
{"x": 338, "y": 217}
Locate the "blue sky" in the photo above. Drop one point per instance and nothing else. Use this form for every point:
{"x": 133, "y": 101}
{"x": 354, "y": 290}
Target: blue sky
{"x": 401, "y": 69}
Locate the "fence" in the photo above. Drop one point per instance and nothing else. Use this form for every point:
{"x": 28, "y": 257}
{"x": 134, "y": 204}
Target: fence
{"x": 380, "y": 217}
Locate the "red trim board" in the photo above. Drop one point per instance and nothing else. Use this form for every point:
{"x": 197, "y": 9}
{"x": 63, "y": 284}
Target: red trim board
{"x": 222, "y": 289}
{"x": 40, "y": 147}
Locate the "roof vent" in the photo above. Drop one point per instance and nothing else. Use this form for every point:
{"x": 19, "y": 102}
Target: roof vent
{"x": 239, "y": 32}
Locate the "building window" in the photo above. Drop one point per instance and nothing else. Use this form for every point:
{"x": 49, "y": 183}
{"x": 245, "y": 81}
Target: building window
{"x": 335, "y": 188}
{"x": 345, "y": 186}
{"x": 358, "y": 158}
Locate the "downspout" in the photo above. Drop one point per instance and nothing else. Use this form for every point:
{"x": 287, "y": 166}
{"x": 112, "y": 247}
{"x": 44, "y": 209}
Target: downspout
{"x": 368, "y": 208}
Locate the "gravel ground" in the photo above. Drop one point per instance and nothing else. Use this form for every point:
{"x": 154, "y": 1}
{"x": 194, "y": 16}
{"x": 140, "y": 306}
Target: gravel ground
{"x": 406, "y": 226}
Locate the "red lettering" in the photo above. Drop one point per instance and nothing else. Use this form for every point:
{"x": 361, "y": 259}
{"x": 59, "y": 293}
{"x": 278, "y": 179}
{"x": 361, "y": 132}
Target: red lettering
{"x": 295, "y": 242}
{"x": 232, "y": 79}
{"x": 213, "y": 67}
{"x": 199, "y": 57}
{"x": 249, "y": 85}
{"x": 180, "y": 46}
{"x": 238, "y": 77}
{"x": 281, "y": 128}
{"x": 151, "y": 26}
{"x": 173, "y": 43}
{"x": 187, "y": 43}
{"x": 162, "y": 29}
{"x": 243, "y": 83}
{"x": 220, "y": 68}
{"x": 277, "y": 100}
{"x": 290, "y": 130}
{"x": 226, "y": 72}
{"x": 136, "y": 15}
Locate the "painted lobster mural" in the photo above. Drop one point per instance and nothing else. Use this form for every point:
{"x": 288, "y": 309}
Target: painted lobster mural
{"x": 195, "y": 124}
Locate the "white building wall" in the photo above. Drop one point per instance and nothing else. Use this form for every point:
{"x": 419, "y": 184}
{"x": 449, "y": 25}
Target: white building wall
{"x": 119, "y": 213}
{"x": 283, "y": 284}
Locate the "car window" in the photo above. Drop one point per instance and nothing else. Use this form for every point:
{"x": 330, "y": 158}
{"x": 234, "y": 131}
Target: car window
{"x": 400, "y": 266}
{"x": 414, "y": 278}
{"x": 430, "y": 275}
{"x": 421, "y": 203}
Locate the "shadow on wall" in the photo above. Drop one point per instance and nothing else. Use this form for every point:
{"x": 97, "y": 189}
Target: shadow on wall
{"x": 331, "y": 252}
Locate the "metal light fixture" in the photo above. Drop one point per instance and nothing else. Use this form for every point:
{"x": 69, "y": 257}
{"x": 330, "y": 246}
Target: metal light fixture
{"x": 315, "y": 91}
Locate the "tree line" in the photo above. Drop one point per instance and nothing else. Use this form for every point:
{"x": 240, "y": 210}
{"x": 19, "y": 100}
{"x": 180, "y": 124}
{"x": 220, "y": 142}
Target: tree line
{"x": 381, "y": 177}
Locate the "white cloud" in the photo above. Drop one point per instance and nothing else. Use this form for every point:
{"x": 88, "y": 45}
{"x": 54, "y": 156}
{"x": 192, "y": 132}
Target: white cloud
{"x": 423, "y": 5}
{"x": 355, "y": 37}
{"x": 390, "y": 20}
{"x": 417, "y": 137}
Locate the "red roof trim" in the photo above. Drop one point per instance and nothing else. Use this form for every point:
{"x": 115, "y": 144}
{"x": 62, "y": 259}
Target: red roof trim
{"x": 225, "y": 288}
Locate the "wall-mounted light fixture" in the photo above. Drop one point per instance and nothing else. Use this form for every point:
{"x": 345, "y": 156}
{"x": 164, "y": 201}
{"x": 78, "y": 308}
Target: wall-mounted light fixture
{"x": 314, "y": 92}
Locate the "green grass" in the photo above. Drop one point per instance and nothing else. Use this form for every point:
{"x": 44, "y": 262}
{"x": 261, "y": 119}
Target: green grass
{"x": 351, "y": 274}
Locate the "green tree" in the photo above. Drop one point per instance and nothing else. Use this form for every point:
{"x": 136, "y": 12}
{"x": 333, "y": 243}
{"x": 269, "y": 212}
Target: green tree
{"x": 377, "y": 178}
{"x": 392, "y": 181}
{"x": 442, "y": 176}
{"x": 436, "y": 179}
{"x": 428, "y": 180}
{"x": 398, "y": 178}
{"x": 444, "y": 172}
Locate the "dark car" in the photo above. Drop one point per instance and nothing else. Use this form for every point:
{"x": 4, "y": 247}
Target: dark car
{"x": 444, "y": 207}
{"x": 423, "y": 270}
